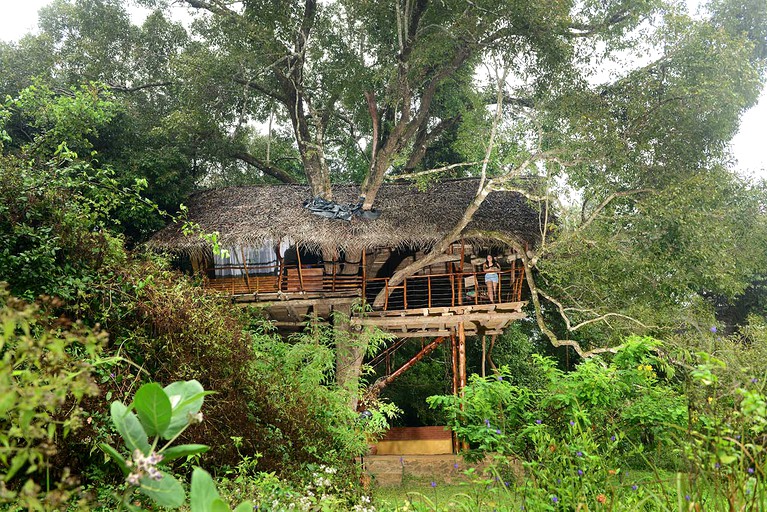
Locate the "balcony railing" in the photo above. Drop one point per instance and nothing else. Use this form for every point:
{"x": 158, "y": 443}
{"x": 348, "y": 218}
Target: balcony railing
{"x": 419, "y": 291}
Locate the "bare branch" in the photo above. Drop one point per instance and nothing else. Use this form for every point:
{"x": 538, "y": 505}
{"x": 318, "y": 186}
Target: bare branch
{"x": 571, "y": 328}
{"x": 414, "y": 175}
{"x": 125, "y": 88}
{"x": 610, "y": 199}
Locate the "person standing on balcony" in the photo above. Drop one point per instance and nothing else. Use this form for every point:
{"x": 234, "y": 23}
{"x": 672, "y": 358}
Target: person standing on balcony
{"x": 491, "y": 269}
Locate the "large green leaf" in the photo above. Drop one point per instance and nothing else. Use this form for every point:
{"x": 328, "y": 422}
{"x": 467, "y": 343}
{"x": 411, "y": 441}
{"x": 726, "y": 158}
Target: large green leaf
{"x": 245, "y": 506}
{"x": 185, "y": 398}
{"x": 166, "y": 492}
{"x": 203, "y": 491}
{"x": 153, "y": 408}
{"x": 129, "y": 427}
{"x": 183, "y": 450}
{"x": 219, "y": 505}
{"x": 115, "y": 456}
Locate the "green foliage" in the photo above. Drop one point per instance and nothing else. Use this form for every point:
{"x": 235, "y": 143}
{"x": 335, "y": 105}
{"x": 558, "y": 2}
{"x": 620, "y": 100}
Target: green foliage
{"x": 163, "y": 413}
{"x": 45, "y": 374}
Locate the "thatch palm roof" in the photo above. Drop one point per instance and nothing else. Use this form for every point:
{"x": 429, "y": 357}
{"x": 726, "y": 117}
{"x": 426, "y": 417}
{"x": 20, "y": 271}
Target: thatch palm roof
{"x": 250, "y": 216}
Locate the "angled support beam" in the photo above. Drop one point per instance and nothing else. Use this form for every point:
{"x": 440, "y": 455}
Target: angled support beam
{"x": 381, "y": 383}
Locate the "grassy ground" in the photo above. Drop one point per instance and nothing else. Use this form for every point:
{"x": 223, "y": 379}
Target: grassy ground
{"x": 433, "y": 495}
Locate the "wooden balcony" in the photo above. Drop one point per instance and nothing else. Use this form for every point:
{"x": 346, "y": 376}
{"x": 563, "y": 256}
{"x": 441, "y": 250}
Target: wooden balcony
{"x": 430, "y": 290}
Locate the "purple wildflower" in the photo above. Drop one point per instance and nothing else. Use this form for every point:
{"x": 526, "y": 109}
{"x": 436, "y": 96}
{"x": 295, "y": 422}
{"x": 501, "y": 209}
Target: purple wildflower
{"x": 455, "y": 466}
{"x": 500, "y": 378}
{"x": 572, "y": 423}
{"x": 713, "y": 328}
{"x": 754, "y": 380}
{"x": 579, "y": 454}
{"x": 434, "y": 484}
{"x": 751, "y": 470}
{"x": 487, "y": 423}
{"x": 580, "y": 472}
{"x": 634, "y": 487}
{"x": 687, "y": 497}
{"x": 554, "y": 499}
{"x": 538, "y": 422}
{"x": 613, "y": 438}
{"x": 498, "y": 431}
{"x": 717, "y": 466}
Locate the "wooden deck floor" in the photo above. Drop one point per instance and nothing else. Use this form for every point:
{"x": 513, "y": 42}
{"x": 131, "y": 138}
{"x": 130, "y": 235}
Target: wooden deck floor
{"x": 441, "y": 321}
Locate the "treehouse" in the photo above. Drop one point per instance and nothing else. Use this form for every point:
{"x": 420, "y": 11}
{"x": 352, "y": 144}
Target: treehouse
{"x": 302, "y": 265}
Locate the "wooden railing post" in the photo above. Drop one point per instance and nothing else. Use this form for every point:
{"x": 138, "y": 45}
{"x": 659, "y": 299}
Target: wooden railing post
{"x": 300, "y": 274}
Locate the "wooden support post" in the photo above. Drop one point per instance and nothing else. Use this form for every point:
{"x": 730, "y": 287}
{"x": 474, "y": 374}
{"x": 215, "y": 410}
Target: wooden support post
{"x": 454, "y": 358}
{"x": 461, "y": 357}
{"x": 462, "y": 367}
{"x": 484, "y": 353}
{"x": 245, "y": 266}
{"x": 490, "y": 352}
{"x": 281, "y": 264}
{"x": 428, "y": 284}
{"x": 364, "y": 275}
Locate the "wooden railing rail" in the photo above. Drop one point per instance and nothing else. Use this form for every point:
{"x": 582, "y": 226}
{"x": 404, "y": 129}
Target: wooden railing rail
{"x": 423, "y": 290}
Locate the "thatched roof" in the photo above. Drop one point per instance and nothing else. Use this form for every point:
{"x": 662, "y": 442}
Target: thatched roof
{"x": 249, "y": 216}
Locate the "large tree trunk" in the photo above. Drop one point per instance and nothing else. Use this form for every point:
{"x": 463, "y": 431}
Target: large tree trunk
{"x": 350, "y": 351}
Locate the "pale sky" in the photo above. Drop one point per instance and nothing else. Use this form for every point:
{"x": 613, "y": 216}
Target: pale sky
{"x": 749, "y": 146}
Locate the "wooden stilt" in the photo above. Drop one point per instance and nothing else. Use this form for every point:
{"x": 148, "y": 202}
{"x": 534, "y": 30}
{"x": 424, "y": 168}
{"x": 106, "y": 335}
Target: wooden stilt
{"x": 484, "y": 353}
{"x": 462, "y": 367}
{"x": 490, "y": 352}
{"x": 280, "y": 263}
{"x": 364, "y": 274}
{"x": 454, "y": 354}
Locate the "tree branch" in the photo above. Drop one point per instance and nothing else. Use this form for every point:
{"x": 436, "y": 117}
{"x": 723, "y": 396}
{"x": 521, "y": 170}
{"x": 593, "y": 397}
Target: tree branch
{"x": 414, "y": 175}
{"x": 125, "y": 88}
{"x": 271, "y": 170}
